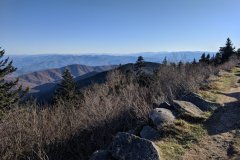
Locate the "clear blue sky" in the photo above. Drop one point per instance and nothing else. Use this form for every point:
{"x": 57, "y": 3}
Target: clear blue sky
{"x": 117, "y": 26}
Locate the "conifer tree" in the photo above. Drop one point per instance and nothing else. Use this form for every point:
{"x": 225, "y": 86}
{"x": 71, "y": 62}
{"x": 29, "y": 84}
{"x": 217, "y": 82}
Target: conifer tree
{"x": 207, "y": 60}
{"x": 164, "y": 62}
{"x": 66, "y": 89}
{"x": 138, "y": 66}
{"x": 180, "y": 64}
{"x": 203, "y": 58}
{"x": 194, "y": 61}
{"x": 9, "y": 93}
{"x": 218, "y": 59}
{"x": 140, "y": 76}
{"x": 227, "y": 51}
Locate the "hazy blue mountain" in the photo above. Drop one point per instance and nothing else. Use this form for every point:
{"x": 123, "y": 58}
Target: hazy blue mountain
{"x": 45, "y": 91}
{"x": 53, "y": 75}
{"x": 31, "y": 63}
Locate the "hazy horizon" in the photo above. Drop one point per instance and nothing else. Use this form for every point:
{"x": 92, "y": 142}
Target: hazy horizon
{"x": 117, "y": 27}
{"x": 111, "y": 54}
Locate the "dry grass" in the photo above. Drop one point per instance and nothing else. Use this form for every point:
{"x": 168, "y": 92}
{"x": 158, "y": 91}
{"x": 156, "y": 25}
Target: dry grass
{"x": 178, "y": 138}
{"x": 219, "y": 83}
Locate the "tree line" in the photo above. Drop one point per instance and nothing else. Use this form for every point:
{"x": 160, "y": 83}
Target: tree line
{"x": 222, "y": 55}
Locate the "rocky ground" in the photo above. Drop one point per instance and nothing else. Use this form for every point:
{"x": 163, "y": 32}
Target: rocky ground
{"x": 223, "y": 127}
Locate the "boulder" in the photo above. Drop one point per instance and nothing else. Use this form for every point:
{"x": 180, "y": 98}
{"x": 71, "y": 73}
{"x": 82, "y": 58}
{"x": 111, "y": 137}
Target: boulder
{"x": 126, "y": 146}
{"x": 101, "y": 155}
{"x": 204, "y": 105}
{"x": 161, "y": 117}
{"x": 149, "y": 133}
{"x": 187, "y": 108}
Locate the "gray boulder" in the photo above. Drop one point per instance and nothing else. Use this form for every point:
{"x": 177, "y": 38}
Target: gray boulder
{"x": 204, "y": 105}
{"x": 161, "y": 117}
{"x": 101, "y": 155}
{"x": 126, "y": 146}
{"x": 149, "y": 133}
{"x": 187, "y": 108}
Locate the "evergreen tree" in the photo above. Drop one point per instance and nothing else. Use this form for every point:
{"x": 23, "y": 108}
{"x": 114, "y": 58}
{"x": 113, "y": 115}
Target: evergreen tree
{"x": 194, "y": 61}
{"x": 164, "y": 62}
{"x": 227, "y": 51}
{"x": 203, "y": 58}
{"x": 207, "y": 60}
{"x": 180, "y": 64}
{"x": 140, "y": 76}
{"x": 218, "y": 59}
{"x": 66, "y": 89}
{"x": 9, "y": 93}
{"x": 138, "y": 66}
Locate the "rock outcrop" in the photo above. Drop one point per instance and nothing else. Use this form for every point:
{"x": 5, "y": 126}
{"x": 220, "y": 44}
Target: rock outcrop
{"x": 126, "y": 146}
{"x": 188, "y": 109}
{"x": 161, "y": 117}
{"x": 204, "y": 105}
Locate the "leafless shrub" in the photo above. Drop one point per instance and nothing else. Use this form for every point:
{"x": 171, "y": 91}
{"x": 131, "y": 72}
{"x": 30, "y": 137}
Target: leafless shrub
{"x": 174, "y": 81}
{"x": 234, "y": 60}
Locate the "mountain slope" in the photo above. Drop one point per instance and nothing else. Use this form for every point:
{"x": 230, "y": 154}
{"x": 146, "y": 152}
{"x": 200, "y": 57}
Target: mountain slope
{"x": 52, "y": 75}
{"x": 45, "y": 91}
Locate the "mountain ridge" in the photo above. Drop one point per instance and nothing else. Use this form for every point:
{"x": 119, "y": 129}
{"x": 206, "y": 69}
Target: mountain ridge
{"x": 40, "y": 91}
{"x": 31, "y": 63}
{"x": 52, "y": 75}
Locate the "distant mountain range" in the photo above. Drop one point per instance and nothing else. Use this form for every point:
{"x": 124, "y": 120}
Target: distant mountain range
{"x": 53, "y": 75}
{"x": 32, "y": 63}
{"x": 43, "y": 83}
{"x": 42, "y": 73}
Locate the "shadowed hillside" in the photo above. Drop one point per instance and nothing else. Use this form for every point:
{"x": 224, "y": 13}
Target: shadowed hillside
{"x": 45, "y": 90}
{"x": 55, "y": 74}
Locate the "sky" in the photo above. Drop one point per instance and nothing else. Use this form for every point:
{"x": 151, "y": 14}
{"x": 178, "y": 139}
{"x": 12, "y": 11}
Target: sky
{"x": 117, "y": 26}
